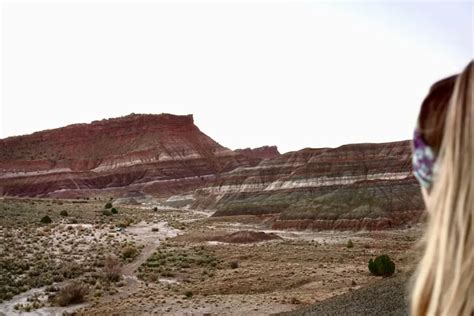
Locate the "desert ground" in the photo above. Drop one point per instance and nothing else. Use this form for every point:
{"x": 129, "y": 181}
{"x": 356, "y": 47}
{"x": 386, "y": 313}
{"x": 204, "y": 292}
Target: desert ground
{"x": 97, "y": 259}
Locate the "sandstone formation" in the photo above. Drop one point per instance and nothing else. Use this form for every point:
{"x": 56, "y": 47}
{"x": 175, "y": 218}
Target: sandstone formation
{"x": 246, "y": 237}
{"x": 265, "y": 152}
{"x": 156, "y": 154}
{"x": 357, "y": 186}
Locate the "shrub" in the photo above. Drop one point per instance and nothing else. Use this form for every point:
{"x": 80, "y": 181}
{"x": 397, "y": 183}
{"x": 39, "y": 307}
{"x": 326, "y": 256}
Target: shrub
{"x": 234, "y": 264}
{"x": 350, "y": 244}
{"x": 114, "y": 210}
{"x": 382, "y": 266}
{"x": 188, "y": 294}
{"x": 129, "y": 252}
{"x": 112, "y": 269}
{"x": 106, "y": 212}
{"x": 125, "y": 223}
{"x": 71, "y": 270}
{"x": 63, "y": 213}
{"x": 46, "y": 219}
{"x": 108, "y": 205}
{"x": 155, "y": 229}
{"x": 72, "y": 293}
{"x": 155, "y": 209}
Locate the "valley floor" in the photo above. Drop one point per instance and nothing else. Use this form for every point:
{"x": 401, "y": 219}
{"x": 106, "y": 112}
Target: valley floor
{"x": 174, "y": 261}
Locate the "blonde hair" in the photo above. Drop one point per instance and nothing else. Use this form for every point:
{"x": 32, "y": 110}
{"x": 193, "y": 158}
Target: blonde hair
{"x": 444, "y": 281}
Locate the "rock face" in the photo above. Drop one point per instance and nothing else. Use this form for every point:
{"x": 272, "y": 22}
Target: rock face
{"x": 358, "y": 186}
{"x": 157, "y": 154}
{"x": 265, "y": 152}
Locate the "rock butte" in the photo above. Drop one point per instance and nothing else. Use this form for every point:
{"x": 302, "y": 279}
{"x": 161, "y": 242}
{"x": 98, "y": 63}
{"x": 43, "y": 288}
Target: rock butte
{"x": 356, "y": 186}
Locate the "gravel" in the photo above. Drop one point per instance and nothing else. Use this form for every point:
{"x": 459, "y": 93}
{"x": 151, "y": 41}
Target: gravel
{"x": 386, "y": 297}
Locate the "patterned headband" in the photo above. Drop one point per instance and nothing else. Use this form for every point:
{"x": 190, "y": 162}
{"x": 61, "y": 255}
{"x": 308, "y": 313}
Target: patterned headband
{"x": 423, "y": 160}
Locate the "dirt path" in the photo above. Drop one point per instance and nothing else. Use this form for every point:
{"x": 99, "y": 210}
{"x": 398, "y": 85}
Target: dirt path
{"x": 142, "y": 233}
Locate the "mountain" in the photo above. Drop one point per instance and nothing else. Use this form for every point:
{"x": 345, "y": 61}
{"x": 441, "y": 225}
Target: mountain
{"x": 157, "y": 154}
{"x": 355, "y": 186}
{"x": 358, "y": 186}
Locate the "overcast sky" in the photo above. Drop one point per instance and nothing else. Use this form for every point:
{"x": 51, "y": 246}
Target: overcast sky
{"x": 291, "y": 74}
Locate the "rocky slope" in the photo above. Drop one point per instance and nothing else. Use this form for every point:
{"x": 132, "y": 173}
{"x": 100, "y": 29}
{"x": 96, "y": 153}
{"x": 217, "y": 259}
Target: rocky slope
{"x": 386, "y": 297}
{"x": 354, "y": 186}
{"x": 158, "y": 154}
{"x": 265, "y": 152}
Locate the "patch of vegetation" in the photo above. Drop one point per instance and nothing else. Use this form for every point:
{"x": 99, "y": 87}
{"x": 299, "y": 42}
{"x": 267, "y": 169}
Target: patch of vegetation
{"x": 382, "y": 266}
{"x": 46, "y": 220}
{"x": 108, "y": 205}
{"x": 114, "y": 210}
{"x": 129, "y": 252}
{"x": 350, "y": 244}
{"x": 72, "y": 293}
{"x": 112, "y": 270}
{"x": 33, "y": 254}
{"x": 188, "y": 264}
{"x": 63, "y": 213}
{"x": 176, "y": 224}
{"x": 106, "y": 212}
{"x": 234, "y": 264}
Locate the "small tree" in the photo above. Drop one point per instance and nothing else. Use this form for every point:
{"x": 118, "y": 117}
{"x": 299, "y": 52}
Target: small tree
{"x": 350, "y": 244}
{"x": 108, "y": 205}
{"x": 382, "y": 266}
{"x": 114, "y": 210}
{"x": 46, "y": 219}
{"x": 63, "y": 213}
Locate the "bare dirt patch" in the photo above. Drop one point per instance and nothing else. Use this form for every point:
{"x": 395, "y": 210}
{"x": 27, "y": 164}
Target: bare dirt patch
{"x": 247, "y": 237}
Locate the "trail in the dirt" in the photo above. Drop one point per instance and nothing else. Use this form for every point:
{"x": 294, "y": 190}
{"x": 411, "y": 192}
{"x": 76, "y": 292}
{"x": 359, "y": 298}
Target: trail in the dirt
{"x": 142, "y": 233}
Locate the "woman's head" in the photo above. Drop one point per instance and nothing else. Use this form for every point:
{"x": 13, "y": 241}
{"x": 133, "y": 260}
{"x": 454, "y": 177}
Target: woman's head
{"x": 443, "y": 152}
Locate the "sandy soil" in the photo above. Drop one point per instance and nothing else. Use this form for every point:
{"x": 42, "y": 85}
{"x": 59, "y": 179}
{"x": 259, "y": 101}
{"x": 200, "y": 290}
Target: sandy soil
{"x": 182, "y": 270}
{"x": 273, "y": 276}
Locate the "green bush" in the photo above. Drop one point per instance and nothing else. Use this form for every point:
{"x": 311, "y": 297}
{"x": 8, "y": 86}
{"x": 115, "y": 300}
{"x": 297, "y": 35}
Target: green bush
{"x": 63, "y": 213}
{"x": 129, "y": 252}
{"x": 114, "y": 210}
{"x": 108, "y": 205}
{"x": 350, "y": 244}
{"x": 234, "y": 264}
{"x": 382, "y": 266}
{"x": 46, "y": 219}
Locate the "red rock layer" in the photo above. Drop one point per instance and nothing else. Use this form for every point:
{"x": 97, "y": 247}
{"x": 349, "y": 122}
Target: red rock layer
{"x": 353, "y": 186}
{"x": 265, "y": 152}
{"x": 158, "y": 154}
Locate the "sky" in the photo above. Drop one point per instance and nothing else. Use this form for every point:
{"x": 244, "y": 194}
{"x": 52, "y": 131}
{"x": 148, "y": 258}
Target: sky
{"x": 294, "y": 74}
